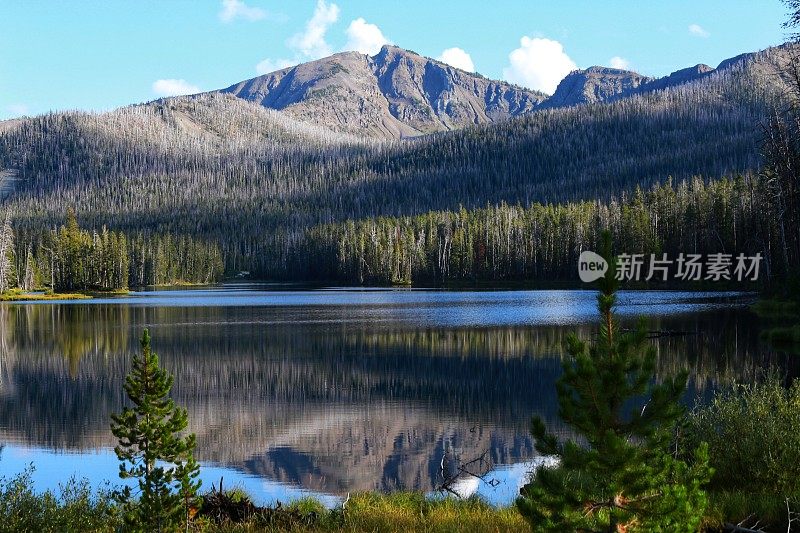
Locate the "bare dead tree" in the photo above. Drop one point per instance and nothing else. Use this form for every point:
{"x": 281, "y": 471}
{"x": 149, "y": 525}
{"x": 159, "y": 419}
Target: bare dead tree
{"x": 477, "y": 468}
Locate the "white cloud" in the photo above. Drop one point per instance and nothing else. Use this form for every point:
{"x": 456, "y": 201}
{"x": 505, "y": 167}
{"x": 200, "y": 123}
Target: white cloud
{"x": 311, "y": 43}
{"x": 268, "y": 65}
{"x": 457, "y": 58}
{"x": 539, "y": 64}
{"x": 237, "y": 9}
{"x": 619, "y": 62}
{"x": 698, "y": 31}
{"x": 17, "y": 110}
{"x": 364, "y": 37}
{"x": 173, "y": 87}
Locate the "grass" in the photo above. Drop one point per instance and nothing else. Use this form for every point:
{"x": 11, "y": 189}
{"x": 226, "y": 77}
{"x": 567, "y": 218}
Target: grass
{"x": 16, "y": 295}
{"x": 76, "y": 508}
{"x": 106, "y": 294}
{"x": 373, "y": 512}
{"x": 414, "y": 512}
{"x": 768, "y": 509}
{"x": 19, "y": 295}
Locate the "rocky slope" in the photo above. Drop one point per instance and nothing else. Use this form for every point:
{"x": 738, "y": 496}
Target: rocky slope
{"x": 595, "y": 84}
{"x": 394, "y": 94}
{"x": 398, "y": 93}
{"x": 604, "y": 84}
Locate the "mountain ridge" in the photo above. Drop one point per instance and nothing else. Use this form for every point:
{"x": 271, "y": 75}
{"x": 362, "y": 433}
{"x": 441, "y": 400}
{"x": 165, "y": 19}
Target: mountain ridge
{"x": 398, "y": 93}
{"x": 393, "y": 94}
{"x": 605, "y": 84}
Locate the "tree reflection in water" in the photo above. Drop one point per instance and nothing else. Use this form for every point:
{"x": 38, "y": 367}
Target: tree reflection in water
{"x": 305, "y": 396}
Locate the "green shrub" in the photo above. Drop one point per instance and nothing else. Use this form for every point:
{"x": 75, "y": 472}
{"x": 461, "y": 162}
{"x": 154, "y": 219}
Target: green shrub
{"x": 74, "y": 509}
{"x": 753, "y": 436}
{"x": 744, "y": 506}
{"x": 308, "y": 506}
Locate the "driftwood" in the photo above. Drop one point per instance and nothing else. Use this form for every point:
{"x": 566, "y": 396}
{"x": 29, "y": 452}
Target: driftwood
{"x": 477, "y": 468}
{"x": 222, "y": 508}
{"x": 735, "y": 528}
{"x": 792, "y": 517}
{"x": 655, "y": 334}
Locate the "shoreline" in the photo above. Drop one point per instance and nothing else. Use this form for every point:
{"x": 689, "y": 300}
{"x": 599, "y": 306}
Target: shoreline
{"x": 18, "y": 296}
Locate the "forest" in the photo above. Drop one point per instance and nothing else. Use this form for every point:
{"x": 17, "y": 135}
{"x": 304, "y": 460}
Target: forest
{"x": 283, "y": 199}
{"x": 543, "y": 241}
{"x": 69, "y": 258}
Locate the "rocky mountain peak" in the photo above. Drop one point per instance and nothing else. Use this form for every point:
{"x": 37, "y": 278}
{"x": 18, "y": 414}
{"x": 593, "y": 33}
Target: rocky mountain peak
{"x": 395, "y": 93}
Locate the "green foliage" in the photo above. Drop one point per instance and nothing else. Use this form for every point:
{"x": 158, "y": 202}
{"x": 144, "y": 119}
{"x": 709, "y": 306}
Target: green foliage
{"x": 753, "y": 434}
{"x": 307, "y": 506}
{"x": 74, "y": 259}
{"x": 73, "y": 509}
{"x": 151, "y": 449}
{"x": 8, "y": 273}
{"x": 76, "y": 510}
{"x": 543, "y": 241}
{"x": 623, "y": 472}
{"x": 414, "y": 512}
{"x": 749, "y": 507}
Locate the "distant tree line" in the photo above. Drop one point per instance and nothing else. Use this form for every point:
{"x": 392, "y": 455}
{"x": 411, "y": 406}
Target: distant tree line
{"x": 504, "y": 242}
{"x": 543, "y": 241}
{"x": 70, "y": 258}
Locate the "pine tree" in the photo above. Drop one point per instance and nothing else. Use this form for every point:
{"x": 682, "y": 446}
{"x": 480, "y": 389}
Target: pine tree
{"x": 151, "y": 449}
{"x": 29, "y": 277}
{"x": 7, "y": 274}
{"x": 622, "y": 473}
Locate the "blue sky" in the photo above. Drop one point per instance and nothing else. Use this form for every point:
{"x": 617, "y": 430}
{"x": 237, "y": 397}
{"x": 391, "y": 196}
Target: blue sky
{"x": 100, "y": 54}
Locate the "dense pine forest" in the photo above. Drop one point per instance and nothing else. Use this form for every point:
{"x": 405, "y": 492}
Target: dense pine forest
{"x": 184, "y": 183}
{"x": 69, "y": 258}
{"x": 543, "y": 241}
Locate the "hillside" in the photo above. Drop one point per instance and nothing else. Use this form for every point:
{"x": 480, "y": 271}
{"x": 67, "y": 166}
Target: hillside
{"x": 255, "y": 179}
{"x": 394, "y": 94}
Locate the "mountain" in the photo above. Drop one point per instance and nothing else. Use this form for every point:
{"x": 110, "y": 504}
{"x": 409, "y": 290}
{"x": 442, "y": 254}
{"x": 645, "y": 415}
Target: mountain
{"x": 396, "y": 93}
{"x": 256, "y": 180}
{"x": 604, "y": 84}
{"x": 595, "y": 84}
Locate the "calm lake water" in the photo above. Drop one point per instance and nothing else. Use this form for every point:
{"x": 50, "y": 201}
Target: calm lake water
{"x": 330, "y": 391}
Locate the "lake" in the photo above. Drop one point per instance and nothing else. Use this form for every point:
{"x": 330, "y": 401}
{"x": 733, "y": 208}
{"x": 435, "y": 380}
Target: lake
{"x": 295, "y": 391}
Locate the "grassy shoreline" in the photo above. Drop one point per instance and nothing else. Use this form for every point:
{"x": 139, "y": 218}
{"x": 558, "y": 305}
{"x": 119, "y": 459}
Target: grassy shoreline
{"x": 17, "y": 295}
{"x": 75, "y": 507}
{"x": 38, "y": 297}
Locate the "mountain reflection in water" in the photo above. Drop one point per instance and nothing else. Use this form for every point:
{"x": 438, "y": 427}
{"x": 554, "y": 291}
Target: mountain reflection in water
{"x": 334, "y": 391}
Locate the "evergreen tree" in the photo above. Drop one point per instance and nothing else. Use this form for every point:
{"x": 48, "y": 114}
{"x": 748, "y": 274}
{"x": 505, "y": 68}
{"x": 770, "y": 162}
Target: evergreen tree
{"x": 29, "y": 277}
{"x": 151, "y": 449}
{"x": 7, "y": 271}
{"x": 622, "y": 473}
